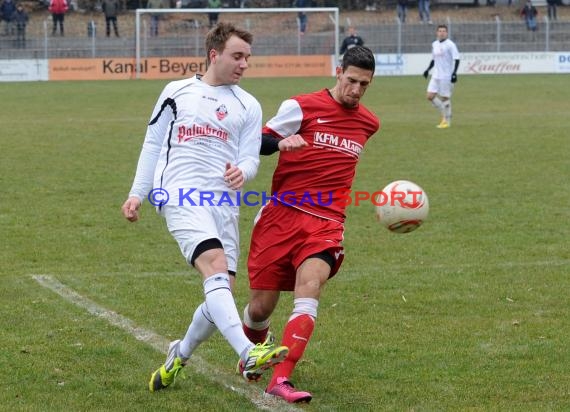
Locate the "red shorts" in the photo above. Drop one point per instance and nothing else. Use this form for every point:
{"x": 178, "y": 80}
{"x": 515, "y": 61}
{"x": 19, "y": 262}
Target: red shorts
{"x": 283, "y": 238}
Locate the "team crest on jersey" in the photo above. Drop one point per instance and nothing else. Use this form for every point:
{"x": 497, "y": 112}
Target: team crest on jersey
{"x": 222, "y": 112}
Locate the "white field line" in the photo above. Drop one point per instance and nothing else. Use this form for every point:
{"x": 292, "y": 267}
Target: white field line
{"x": 160, "y": 343}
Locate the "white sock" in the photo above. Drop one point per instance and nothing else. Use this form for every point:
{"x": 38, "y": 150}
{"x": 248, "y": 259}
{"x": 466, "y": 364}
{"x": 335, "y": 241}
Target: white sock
{"x": 305, "y": 306}
{"x": 437, "y": 103}
{"x": 222, "y": 308}
{"x": 201, "y": 328}
{"x": 264, "y": 324}
{"x": 447, "y": 110}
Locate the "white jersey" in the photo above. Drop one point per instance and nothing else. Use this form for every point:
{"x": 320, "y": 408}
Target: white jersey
{"x": 195, "y": 130}
{"x": 444, "y": 53}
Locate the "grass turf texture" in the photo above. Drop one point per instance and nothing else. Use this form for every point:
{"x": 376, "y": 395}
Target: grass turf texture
{"x": 467, "y": 313}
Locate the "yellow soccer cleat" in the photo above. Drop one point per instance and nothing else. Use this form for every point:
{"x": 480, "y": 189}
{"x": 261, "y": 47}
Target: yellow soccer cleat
{"x": 252, "y": 376}
{"x": 262, "y": 357}
{"x": 167, "y": 373}
{"x": 443, "y": 125}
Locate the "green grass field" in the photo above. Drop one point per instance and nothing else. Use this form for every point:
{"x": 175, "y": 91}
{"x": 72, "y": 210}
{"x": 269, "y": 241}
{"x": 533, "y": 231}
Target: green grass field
{"x": 470, "y": 312}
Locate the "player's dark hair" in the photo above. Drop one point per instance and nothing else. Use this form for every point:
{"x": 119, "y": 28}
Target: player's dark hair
{"x": 359, "y": 56}
{"x": 218, "y": 36}
{"x": 442, "y": 26}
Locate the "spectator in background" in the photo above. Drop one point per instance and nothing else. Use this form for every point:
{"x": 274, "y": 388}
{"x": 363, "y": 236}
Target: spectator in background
{"x": 110, "y": 9}
{"x": 402, "y": 10}
{"x": 154, "y": 18}
{"x": 7, "y": 10}
{"x": 423, "y": 7}
{"x": 58, "y": 8}
{"x": 20, "y": 19}
{"x": 213, "y": 17}
{"x": 351, "y": 40}
{"x": 551, "y": 9}
{"x": 529, "y": 13}
{"x": 301, "y": 16}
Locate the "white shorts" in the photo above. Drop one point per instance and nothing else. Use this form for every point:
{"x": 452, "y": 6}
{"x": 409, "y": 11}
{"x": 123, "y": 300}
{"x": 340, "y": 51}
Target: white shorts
{"x": 441, "y": 87}
{"x": 191, "y": 225}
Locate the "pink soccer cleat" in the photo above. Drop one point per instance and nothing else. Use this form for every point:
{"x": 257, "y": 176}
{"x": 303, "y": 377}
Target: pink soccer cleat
{"x": 285, "y": 390}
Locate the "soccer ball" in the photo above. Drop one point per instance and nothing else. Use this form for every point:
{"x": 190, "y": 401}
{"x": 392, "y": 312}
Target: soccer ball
{"x": 402, "y": 206}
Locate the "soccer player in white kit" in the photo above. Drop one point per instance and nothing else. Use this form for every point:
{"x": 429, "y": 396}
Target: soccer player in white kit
{"x": 202, "y": 144}
{"x": 445, "y": 59}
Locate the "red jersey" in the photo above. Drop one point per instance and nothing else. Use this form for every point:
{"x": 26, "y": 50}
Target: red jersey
{"x": 314, "y": 178}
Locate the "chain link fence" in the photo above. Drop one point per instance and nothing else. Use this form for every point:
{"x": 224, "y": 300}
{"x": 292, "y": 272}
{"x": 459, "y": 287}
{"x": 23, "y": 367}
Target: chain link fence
{"x": 87, "y": 37}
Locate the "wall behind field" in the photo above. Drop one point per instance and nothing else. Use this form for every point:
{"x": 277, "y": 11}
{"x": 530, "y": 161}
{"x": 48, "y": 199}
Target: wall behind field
{"x": 272, "y": 66}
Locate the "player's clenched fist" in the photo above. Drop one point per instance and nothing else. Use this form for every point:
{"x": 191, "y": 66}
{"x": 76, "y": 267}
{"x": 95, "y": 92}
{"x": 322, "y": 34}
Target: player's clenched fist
{"x": 292, "y": 143}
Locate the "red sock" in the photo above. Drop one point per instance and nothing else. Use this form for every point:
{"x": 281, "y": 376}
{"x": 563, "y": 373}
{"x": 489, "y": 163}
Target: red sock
{"x": 296, "y": 336}
{"x": 256, "y": 336}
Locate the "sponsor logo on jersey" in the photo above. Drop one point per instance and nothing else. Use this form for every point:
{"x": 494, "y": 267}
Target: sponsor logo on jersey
{"x": 221, "y": 112}
{"x": 186, "y": 133}
{"x": 321, "y": 121}
{"x": 337, "y": 143}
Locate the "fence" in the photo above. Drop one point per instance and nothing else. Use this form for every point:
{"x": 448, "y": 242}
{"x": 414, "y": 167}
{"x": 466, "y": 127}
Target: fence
{"x": 185, "y": 38}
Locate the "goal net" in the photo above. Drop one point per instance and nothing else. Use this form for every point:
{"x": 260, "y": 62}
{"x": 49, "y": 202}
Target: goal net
{"x": 167, "y": 33}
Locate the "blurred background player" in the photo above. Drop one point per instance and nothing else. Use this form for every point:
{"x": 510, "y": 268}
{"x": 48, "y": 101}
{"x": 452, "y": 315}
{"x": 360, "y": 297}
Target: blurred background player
{"x": 298, "y": 247}
{"x": 445, "y": 61}
{"x": 204, "y": 134}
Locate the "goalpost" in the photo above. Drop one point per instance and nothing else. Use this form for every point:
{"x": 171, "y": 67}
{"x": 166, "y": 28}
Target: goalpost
{"x": 276, "y": 31}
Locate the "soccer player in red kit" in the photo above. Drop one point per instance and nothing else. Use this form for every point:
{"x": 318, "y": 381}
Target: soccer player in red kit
{"x": 296, "y": 242}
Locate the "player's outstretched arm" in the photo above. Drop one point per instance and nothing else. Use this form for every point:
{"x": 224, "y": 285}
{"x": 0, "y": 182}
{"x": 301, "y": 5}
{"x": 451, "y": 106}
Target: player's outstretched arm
{"x": 271, "y": 144}
{"x": 131, "y": 208}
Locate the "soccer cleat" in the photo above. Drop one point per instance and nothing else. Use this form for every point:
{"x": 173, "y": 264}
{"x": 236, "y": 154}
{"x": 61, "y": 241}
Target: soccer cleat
{"x": 167, "y": 373}
{"x": 261, "y": 357}
{"x": 443, "y": 125}
{"x": 255, "y": 377}
{"x": 285, "y": 390}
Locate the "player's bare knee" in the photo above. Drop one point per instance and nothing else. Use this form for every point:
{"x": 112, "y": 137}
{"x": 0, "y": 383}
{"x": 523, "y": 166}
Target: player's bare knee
{"x": 261, "y": 305}
{"x": 308, "y": 289}
{"x": 257, "y": 312}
